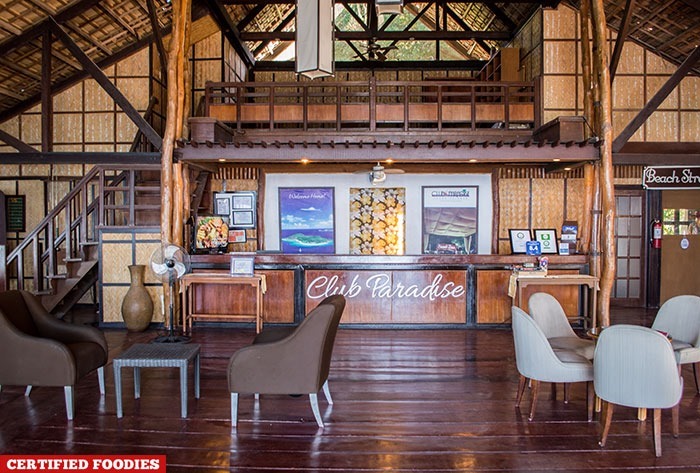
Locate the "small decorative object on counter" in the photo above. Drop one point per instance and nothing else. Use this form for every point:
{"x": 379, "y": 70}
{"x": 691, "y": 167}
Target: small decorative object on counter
{"x": 544, "y": 262}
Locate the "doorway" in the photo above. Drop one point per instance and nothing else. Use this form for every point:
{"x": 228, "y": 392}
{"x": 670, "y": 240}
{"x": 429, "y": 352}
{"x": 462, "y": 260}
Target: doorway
{"x": 630, "y": 285}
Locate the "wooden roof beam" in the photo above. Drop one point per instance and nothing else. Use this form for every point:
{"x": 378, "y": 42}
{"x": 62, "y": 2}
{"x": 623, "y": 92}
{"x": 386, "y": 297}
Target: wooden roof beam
{"x": 16, "y": 143}
{"x": 223, "y": 19}
{"x": 621, "y": 37}
{"x": 656, "y": 100}
{"x": 100, "y": 77}
{"x": 109, "y": 12}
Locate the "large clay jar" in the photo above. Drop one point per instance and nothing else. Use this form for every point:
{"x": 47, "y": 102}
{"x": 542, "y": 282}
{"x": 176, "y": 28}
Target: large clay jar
{"x": 137, "y": 306}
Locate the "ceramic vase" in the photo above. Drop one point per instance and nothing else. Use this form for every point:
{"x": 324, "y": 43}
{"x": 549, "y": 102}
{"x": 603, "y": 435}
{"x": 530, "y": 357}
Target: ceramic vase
{"x": 137, "y": 306}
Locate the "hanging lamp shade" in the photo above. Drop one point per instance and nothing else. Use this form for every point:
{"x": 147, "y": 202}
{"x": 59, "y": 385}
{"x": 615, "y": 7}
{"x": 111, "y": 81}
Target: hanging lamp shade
{"x": 314, "y": 38}
{"x": 389, "y": 7}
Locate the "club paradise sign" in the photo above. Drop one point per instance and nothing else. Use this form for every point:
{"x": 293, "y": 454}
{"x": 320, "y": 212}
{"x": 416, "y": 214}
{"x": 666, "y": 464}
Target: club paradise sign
{"x": 384, "y": 286}
{"x": 671, "y": 177}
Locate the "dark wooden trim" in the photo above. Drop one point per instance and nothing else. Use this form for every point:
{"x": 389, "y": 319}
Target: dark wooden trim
{"x": 16, "y": 143}
{"x": 385, "y": 35}
{"x": 464, "y": 65}
{"x": 100, "y": 158}
{"x": 3, "y": 243}
{"x": 228, "y": 28}
{"x": 107, "y": 85}
{"x": 46, "y": 97}
{"x": 653, "y": 276}
{"x": 158, "y": 40}
{"x": 656, "y": 100}
{"x": 621, "y": 37}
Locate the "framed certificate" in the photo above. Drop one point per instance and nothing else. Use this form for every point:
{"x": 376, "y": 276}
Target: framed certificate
{"x": 518, "y": 239}
{"x": 242, "y": 265}
{"x": 548, "y": 239}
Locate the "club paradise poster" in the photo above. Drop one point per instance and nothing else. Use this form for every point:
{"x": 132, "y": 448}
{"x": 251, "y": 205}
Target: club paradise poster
{"x": 307, "y": 222}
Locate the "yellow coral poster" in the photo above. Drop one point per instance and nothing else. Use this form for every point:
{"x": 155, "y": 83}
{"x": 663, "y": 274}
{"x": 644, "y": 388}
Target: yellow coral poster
{"x": 377, "y": 220}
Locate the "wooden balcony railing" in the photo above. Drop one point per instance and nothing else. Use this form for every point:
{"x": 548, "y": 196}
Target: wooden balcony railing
{"x": 105, "y": 197}
{"x": 374, "y": 105}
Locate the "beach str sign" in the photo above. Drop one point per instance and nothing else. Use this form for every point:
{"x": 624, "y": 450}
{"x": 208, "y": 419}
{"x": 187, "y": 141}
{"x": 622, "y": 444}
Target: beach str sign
{"x": 671, "y": 177}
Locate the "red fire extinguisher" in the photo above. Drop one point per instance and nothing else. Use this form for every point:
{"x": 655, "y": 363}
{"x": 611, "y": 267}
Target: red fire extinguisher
{"x": 656, "y": 233}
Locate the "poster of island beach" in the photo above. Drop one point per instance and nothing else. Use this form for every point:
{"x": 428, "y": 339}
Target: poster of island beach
{"x": 307, "y": 222}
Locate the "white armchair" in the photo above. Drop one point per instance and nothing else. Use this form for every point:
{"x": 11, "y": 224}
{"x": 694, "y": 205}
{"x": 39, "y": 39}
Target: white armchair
{"x": 538, "y": 361}
{"x": 635, "y": 366}
{"x": 680, "y": 318}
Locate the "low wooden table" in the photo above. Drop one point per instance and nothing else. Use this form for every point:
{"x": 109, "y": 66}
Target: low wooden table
{"x": 189, "y": 283}
{"x": 157, "y": 355}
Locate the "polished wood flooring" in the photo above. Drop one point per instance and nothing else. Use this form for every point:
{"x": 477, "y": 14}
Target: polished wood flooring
{"x": 410, "y": 400}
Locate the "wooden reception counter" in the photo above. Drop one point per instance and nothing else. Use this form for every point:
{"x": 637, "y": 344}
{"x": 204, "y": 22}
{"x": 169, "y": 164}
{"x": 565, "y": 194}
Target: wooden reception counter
{"x": 399, "y": 291}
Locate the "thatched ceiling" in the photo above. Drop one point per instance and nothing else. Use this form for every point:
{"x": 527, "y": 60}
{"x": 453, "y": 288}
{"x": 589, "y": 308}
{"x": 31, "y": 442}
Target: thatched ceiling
{"x": 107, "y": 30}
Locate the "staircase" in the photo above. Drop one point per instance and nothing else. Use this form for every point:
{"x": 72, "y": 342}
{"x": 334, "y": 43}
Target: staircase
{"x": 59, "y": 259}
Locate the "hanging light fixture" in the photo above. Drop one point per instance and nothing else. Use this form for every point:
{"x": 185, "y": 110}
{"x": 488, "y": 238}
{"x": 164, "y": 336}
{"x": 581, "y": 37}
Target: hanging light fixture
{"x": 389, "y": 7}
{"x": 314, "y": 38}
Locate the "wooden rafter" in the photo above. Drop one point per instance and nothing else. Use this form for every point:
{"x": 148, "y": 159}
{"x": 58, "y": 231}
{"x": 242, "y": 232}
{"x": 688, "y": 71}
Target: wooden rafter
{"x": 109, "y": 12}
{"x": 16, "y": 143}
{"x": 621, "y": 37}
{"x": 158, "y": 38}
{"x": 100, "y": 77}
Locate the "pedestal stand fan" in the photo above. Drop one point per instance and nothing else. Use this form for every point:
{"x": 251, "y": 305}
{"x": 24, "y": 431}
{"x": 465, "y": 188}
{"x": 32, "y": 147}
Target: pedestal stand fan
{"x": 169, "y": 264}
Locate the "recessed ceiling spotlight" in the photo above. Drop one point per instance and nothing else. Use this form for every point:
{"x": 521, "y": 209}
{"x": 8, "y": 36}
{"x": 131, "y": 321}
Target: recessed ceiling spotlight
{"x": 556, "y": 160}
{"x": 305, "y": 160}
{"x": 472, "y": 160}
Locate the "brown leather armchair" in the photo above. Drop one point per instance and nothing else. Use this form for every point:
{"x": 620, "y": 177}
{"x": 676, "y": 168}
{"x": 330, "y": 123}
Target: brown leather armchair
{"x": 289, "y": 361}
{"x": 36, "y": 349}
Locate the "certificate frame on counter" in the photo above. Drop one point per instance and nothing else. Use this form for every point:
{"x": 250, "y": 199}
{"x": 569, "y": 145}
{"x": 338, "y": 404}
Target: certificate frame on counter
{"x": 242, "y": 265}
{"x": 518, "y": 240}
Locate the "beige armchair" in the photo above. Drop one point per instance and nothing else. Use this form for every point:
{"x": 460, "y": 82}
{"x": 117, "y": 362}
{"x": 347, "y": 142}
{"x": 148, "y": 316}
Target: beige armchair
{"x": 537, "y": 361}
{"x": 679, "y": 317}
{"x": 289, "y": 362}
{"x": 36, "y": 349}
{"x": 551, "y": 318}
{"x": 635, "y": 367}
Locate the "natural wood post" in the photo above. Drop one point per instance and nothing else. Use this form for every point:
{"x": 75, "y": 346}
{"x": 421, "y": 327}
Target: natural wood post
{"x": 607, "y": 187}
{"x": 588, "y": 169}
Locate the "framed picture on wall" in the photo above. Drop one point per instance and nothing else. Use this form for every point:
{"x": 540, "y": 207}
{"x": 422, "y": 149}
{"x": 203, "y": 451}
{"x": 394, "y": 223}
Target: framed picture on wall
{"x": 450, "y": 220}
{"x": 243, "y": 200}
{"x": 548, "y": 239}
{"x": 222, "y": 205}
{"x": 307, "y": 219}
{"x": 518, "y": 240}
{"x": 242, "y": 265}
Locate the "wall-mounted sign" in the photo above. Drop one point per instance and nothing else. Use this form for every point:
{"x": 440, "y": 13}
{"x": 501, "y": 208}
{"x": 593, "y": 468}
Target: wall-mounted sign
{"x": 671, "y": 177}
{"x": 15, "y": 206}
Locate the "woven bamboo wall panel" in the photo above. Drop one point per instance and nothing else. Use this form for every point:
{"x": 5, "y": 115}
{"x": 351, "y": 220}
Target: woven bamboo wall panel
{"x": 690, "y": 93}
{"x": 551, "y": 114}
{"x": 31, "y": 129}
{"x": 111, "y": 237}
{"x": 7, "y": 187}
{"x": 547, "y": 203}
{"x": 34, "y": 190}
{"x": 559, "y": 57}
{"x": 560, "y": 24}
{"x": 136, "y": 92}
{"x": 142, "y": 253}
{"x": 96, "y": 99}
{"x": 575, "y": 197}
{"x": 135, "y": 65}
{"x": 120, "y": 257}
{"x": 68, "y": 128}
{"x": 105, "y": 147}
{"x": 515, "y": 205}
{"x": 628, "y": 93}
{"x": 559, "y": 92}
{"x": 208, "y": 47}
{"x": 206, "y": 71}
{"x": 657, "y": 65}
{"x": 631, "y": 60}
{"x": 690, "y": 126}
{"x": 9, "y": 170}
{"x": 662, "y": 126}
{"x": 35, "y": 170}
{"x": 654, "y": 83}
{"x": 70, "y": 100}
{"x": 112, "y": 298}
{"x": 99, "y": 127}
{"x": 620, "y": 121}
{"x": 67, "y": 170}
{"x": 126, "y": 129}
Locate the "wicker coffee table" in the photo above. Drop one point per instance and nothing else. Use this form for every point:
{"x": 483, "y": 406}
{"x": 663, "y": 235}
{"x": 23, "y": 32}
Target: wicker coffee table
{"x": 157, "y": 355}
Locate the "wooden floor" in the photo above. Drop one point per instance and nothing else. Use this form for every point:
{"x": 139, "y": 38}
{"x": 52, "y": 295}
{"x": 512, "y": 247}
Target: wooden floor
{"x": 412, "y": 400}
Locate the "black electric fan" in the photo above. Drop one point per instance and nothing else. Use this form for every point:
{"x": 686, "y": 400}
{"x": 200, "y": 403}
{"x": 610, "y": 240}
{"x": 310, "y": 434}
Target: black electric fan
{"x": 169, "y": 263}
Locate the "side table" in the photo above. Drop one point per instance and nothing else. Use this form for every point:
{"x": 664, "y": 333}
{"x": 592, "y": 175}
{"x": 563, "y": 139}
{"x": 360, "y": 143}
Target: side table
{"x": 157, "y": 355}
